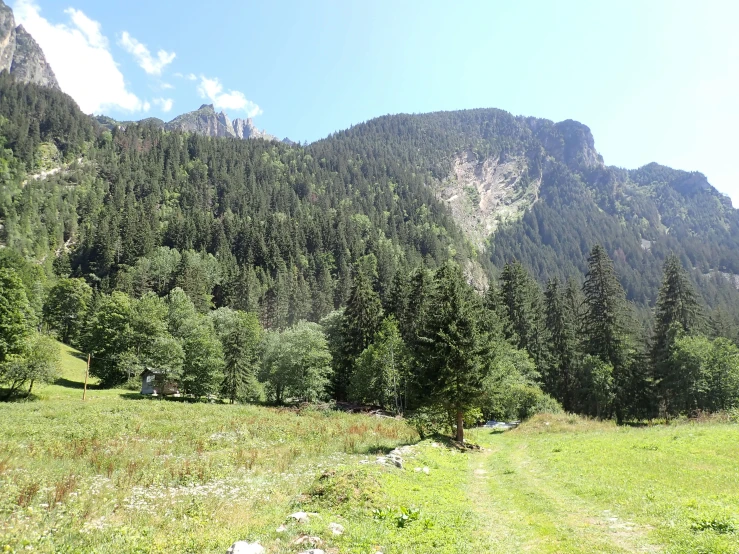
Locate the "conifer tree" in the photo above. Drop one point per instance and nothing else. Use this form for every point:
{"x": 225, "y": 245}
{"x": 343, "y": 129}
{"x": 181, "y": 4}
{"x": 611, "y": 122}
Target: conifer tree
{"x": 521, "y": 299}
{"x": 455, "y": 350}
{"x": 606, "y": 323}
{"x": 559, "y": 381}
{"x": 677, "y": 313}
{"x": 361, "y": 321}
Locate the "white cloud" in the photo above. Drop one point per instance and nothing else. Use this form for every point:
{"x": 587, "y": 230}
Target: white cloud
{"x": 166, "y": 86}
{"x": 79, "y": 54}
{"x": 191, "y": 77}
{"x": 150, "y": 64}
{"x": 231, "y": 100}
{"x": 164, "y": 103}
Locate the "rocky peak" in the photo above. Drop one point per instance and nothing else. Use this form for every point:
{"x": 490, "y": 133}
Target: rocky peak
{"x": 29, "y": 64}
{"x": 205, "y": 121}
{"x": 7, "y": 37}
{"x": 569, "y": 142}
{"x": 21, "y": 55}
{"x": 245, "y": 129}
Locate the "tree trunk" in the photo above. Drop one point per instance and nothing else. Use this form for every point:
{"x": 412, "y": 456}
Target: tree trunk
{"x": 460, "y": 426}
{"x": 31, "y": 387}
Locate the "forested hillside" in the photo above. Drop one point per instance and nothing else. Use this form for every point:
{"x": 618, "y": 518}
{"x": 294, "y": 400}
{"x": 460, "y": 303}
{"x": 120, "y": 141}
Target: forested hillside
{"x": 253, "y": 224}
{"x": 575, "y": 200}
{"x": 213, "y": 259}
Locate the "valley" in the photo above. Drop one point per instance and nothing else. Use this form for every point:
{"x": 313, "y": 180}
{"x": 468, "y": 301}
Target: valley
{"x": 118, "y": 473}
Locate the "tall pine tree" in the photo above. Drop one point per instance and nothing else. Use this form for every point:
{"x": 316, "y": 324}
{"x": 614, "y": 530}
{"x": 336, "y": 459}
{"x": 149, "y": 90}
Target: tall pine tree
{"x": 606, "y": 323}
{"x": 455, "y": 348}
{"x": 677, "y": 313}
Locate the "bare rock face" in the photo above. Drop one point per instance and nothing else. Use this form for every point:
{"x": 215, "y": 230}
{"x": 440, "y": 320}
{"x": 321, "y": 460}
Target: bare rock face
{"x": 7, "y": 37}
{"x": 245, "y": 129}
{"x": 21, "y": 55}
{"x": 29, "y": 64}
{"x": 484, "y": 192}
{"x": 205, "y": 121}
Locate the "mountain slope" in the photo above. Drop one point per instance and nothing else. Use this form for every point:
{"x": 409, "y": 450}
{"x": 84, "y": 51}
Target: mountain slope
{"x": 253, "y": 224}
{"x": 538, "y": 191}
{"x": 21, "y": 55}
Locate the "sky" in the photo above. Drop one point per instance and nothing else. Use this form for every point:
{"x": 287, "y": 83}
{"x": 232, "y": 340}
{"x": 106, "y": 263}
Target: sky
{"x": 655, "y": 80}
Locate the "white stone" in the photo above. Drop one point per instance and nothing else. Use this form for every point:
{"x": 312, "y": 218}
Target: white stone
{"x": 243, "y": 547}
{"x": 336, "y": 529}
{"x": 301, "y": 517}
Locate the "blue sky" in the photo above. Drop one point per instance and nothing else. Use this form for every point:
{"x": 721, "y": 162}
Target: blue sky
{"x": 655, "y": 80}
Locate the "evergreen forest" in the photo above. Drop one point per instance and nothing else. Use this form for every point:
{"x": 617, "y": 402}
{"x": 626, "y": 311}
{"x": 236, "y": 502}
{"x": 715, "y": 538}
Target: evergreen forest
{"x": 253, "y": 270}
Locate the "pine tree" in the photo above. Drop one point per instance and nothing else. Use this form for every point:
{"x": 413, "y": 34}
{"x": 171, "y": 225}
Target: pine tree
{"x": 561, "y": 329}
{"x": 362, "y": 318}
{"x": 521, "y": 299}
{"x": 677, "y": 313}
{"x": 605, "y": 322}
{"x": 454, "y": 349}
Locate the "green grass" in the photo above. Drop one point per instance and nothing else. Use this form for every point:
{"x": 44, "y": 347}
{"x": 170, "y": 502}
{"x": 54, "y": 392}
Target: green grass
{"x": 122, "y": 474}
{"x": 598, "y": 488}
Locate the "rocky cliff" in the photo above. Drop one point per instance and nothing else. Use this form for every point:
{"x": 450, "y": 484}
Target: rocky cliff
{"x": 206, "y": 121}
{"x": 245, "y": 129}
{"x": 21, "y": 55}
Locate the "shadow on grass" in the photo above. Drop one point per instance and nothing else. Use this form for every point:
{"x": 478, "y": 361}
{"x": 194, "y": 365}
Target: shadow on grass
{"x": 181, "y": 399}
{"x": 69, "y": 384}
{"x": 17, "y": 397}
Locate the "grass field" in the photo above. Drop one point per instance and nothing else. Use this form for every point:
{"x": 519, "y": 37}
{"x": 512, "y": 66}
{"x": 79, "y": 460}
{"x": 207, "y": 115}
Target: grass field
{"x": 120, "y": 474}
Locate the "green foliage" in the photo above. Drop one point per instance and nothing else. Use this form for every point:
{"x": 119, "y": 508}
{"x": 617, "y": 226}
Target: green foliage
{"x": 107, "y": 337}
{"x": 39, "y": 362}
{"x": 296, "y": 363}
{"x": 382, "y": 371}
{"x": 677, "y": 313}
{"x": 240, "y": 334}
{"x": 202, "y": 366}
{"x": 598, "y": 386}
{"x": 511, "y": 389}
{"x": 561, "y": 317}
{"x": 401, "y": 516}
{"x": 706, "y": 375}
{"x": 361, "y": 321}
{"x": 66, "y": 307}
{"x": 430, "y": 420}
{"x": 15, "y": 313}
{"x": 454, "y": 349}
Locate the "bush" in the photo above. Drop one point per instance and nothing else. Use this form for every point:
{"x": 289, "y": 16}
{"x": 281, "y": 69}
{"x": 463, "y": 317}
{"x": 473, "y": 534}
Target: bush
{"x": 431, "y": 420}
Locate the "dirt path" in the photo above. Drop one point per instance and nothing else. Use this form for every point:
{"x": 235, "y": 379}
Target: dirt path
{"x": 527, "y": 512}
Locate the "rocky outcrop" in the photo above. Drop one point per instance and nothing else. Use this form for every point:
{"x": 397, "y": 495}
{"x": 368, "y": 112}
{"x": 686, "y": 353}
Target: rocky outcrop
{"x": 7, "y": 37}
{"x": 21, "y": 55}
{"x": 482, "y": 193}
{"x": 29, "y": 64}
{"x": 245, "y": 129}
{"x": 569, "y": 142}
{"x": 205, "y": 121}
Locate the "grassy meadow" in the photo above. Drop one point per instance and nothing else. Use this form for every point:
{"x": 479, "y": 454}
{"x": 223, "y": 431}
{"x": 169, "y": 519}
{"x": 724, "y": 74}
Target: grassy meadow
{"x": 120, "y": 474}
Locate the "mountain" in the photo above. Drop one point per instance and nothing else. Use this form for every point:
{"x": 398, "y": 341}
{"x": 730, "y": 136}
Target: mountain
{"x": 538, "y": 191}
{"x": 277, "y": 229}
{"x": 21, "y": 55}
{"x": 203, "y": 121}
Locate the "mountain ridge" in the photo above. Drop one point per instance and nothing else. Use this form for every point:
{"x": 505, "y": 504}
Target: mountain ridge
{"x": 21, "y": 55}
